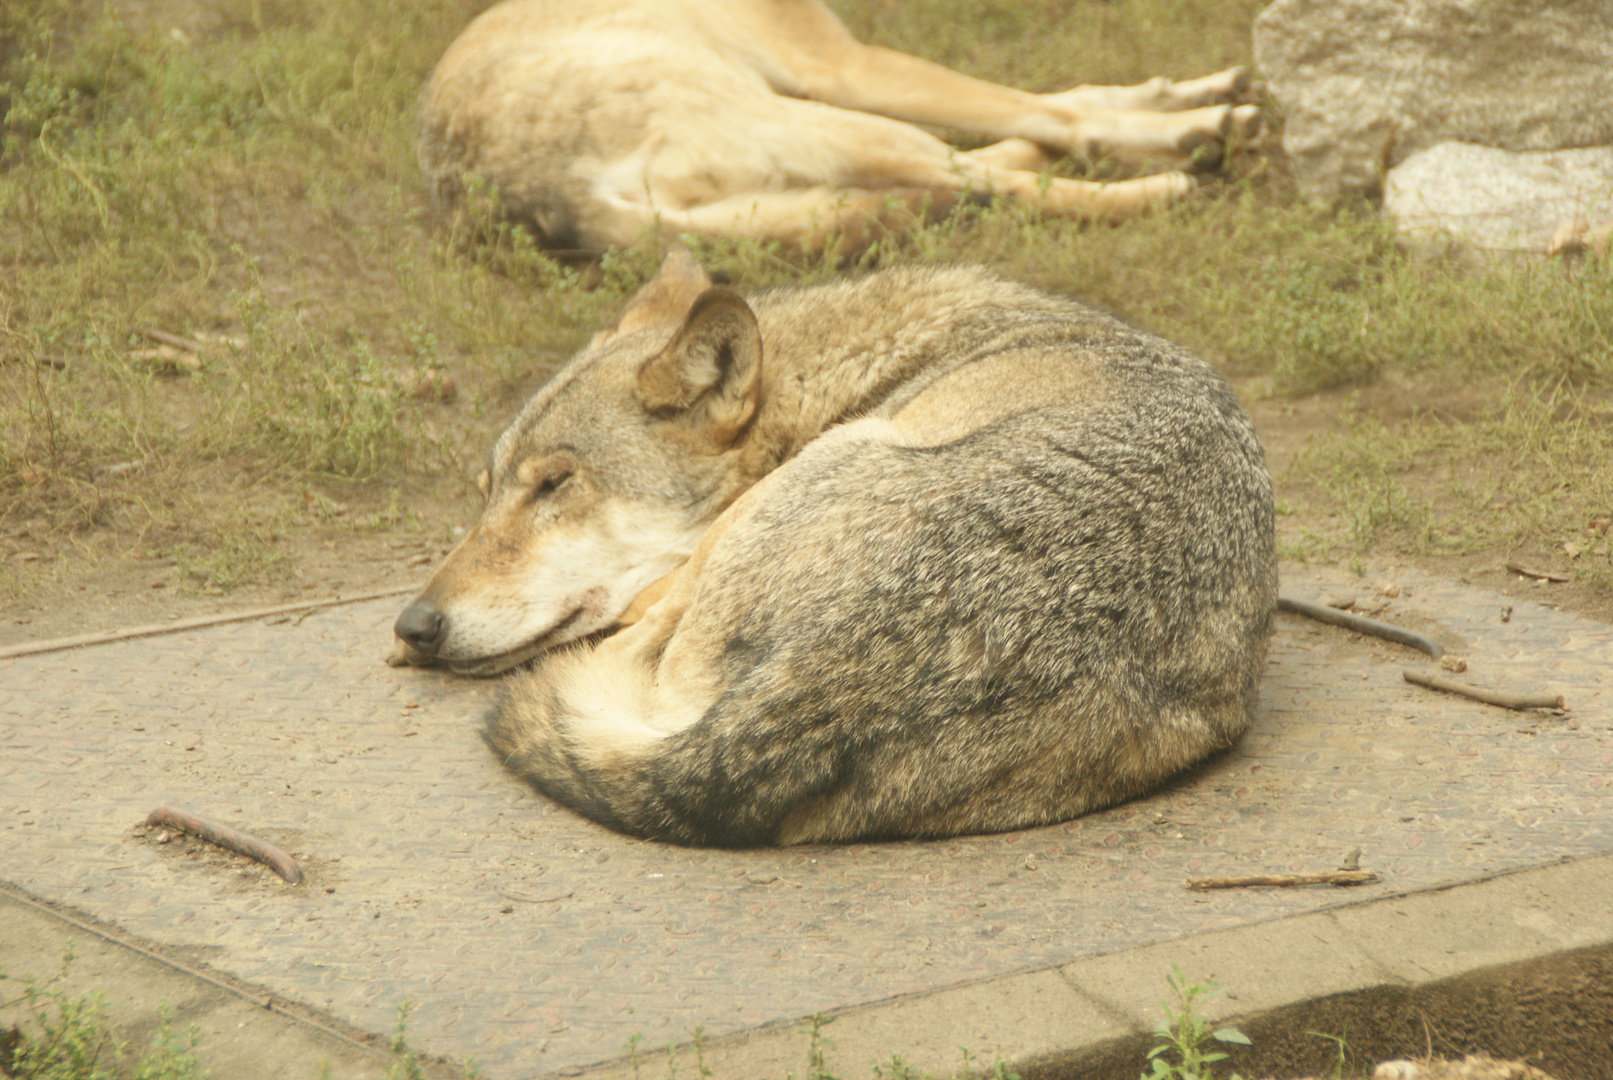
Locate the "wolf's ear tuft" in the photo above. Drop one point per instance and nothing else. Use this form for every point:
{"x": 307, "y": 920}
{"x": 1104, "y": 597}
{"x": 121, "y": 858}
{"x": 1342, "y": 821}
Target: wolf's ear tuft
{"x": 710, "y": 374}
{"x": 664, "y": 299}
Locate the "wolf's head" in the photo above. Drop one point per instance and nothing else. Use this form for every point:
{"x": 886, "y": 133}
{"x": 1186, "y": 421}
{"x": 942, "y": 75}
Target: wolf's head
{"x": 604, "y": 482}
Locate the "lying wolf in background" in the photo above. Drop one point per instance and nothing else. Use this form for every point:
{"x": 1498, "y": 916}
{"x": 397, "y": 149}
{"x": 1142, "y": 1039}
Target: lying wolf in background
{"x": 597, "y": 119}
{"x": 948, "y": 554}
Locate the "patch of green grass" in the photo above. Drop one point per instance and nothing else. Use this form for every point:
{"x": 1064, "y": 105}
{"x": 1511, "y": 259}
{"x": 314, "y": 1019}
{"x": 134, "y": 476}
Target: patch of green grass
{"x": 234, "y": 557}
{"x": 246, "y": 178}
{"x": 1344, "y": 1060}
{"x": 1533, "y": 468}
{"x": 65, "y": 1037}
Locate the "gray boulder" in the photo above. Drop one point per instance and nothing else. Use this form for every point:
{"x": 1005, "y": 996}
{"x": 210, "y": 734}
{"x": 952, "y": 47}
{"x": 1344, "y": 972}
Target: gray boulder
{"x": 1364, "y": 84}
{"x": 1499, "y": 200}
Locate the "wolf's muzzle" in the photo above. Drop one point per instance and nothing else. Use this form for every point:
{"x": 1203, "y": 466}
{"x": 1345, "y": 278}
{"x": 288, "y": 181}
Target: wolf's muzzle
{"x": 422, "y": 626}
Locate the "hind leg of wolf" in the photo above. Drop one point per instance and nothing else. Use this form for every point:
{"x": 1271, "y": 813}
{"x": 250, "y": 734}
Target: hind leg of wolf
{"x": 1158, "y": 121}
{"x": 870, "y": 174}
{"x": 858, "y": 216}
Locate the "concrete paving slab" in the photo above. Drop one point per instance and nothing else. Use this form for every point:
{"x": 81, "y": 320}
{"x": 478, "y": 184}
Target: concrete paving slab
{"x": 1439, "y": 935}
{"x": 1019, "y": 1017}
{"x": 1283, "y": 980}
{"x": 533, "y": 941}
{"x": 1263, "y": 966}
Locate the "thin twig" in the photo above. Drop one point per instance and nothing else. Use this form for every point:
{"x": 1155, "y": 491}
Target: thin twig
{"x": 1542, "y": 575}
{"x": 226, "y": 837}
{"x": 1362, "y": 625}
{"x": 32, "y": 648}
{"x": 1330, "y": 877}
{"x": 1503, "y": 698}
{"x": 67, "y": 165}
{"x": 162, "y": 337}
{"x": 526, "y": 898}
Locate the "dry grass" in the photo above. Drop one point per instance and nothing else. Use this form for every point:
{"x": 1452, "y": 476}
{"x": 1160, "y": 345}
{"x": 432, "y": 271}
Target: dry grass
{"x": 241, "y": 173}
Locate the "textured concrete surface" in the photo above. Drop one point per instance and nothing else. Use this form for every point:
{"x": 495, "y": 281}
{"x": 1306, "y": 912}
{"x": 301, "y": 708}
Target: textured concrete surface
{"x": 1480, "y": 963}
{"x": 533, "y": 941}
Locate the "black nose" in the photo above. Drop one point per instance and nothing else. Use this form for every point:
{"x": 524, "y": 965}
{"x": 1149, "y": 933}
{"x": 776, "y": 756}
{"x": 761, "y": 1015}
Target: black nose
{"x": 422, "y": 626}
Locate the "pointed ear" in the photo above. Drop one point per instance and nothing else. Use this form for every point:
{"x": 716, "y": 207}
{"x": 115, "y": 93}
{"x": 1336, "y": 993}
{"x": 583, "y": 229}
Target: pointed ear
{"x": 710, "y": 374}
{"x": 664, "y": 299}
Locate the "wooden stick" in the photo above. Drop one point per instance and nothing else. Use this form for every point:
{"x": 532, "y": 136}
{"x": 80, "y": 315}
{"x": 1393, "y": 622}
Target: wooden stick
{"x": 1502, "y": 698}
{"x": 1543, "y": 575}
{"x": 32, "y": 648}
{"x": 1330, "y": 877}
{"x": 226, "y": 837}
{"x": 162, "y": 337}
{"x": 1362, "y": 625}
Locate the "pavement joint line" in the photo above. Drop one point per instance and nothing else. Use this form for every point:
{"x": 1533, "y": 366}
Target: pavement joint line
{"x": 106, "y": 637}
{"x": 11, "y": 892}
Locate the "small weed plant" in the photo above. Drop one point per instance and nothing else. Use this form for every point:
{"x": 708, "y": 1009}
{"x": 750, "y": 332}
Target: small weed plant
{"x": 1186, "y": 1049}
{"x": 65, "y": 1037}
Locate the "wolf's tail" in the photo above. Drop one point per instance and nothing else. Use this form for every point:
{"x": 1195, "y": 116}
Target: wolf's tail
{"x": 585, "y": 728}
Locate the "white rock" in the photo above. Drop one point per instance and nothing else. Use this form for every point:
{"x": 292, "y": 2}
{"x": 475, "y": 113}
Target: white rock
{"x": 1498, "y": 200}
{"x": 1364, "y": 84}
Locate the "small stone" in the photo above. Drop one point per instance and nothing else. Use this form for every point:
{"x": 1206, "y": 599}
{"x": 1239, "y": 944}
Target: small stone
{"x": 1453, "y": 663}
{"x": 1497, "y": 200}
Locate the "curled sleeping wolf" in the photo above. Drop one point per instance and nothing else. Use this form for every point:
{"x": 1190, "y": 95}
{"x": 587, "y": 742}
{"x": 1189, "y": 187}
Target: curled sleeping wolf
{"x": 599, "y": 119}
{"x": 916, "y": 554}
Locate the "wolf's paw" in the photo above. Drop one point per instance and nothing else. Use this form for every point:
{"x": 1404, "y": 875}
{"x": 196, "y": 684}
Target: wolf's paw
{"x": 1223, "y": 88}
{"x": 1247, "y": 120}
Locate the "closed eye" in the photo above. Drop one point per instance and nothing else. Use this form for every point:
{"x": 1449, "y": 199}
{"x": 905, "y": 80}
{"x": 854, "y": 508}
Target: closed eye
{"x": 548, "y": 485}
